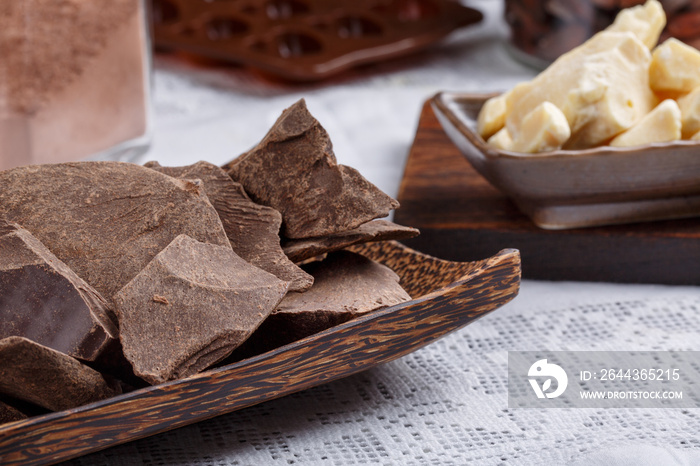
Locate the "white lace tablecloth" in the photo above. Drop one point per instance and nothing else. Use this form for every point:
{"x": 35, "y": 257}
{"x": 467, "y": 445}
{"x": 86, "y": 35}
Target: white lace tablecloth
{"x": 447, "y": 403}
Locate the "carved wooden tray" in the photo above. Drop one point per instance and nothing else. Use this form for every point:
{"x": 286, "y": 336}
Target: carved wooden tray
{"x": 447, "y": 296}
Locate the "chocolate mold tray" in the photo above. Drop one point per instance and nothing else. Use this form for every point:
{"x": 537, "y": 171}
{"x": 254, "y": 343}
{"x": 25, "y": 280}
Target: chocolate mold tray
{"x": 305, "y": 40}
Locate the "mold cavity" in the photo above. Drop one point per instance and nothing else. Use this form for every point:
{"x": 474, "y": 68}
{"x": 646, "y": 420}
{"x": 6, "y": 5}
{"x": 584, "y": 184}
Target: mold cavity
{"x": 295, "y": 45}
{"x": 320, "y": 25}
{"x": 186, "y": 30}
{"x": 409, "y": 10}
{"x": 282, "y": 9}
{"x": 249, "y": 10}
{"x": 225, "y": 28}
{"x": 357, "y": 26}
{"x": 164, "y": 12}
{"x": 258, "y": 46}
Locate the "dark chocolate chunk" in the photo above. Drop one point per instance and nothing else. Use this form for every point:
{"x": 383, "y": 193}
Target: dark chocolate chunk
{"x": 106, "y": 220}
{"x": 293, "y": 169}
{"x": 299, "y": 250}
{"x": 45, "y": 301}
{"x": 253, "y": 229}
{"x": 10, "y": 414}
{"x": 43, "y": 376}
{"x": 346, "y": 285}
{"x": 191, "y": 306}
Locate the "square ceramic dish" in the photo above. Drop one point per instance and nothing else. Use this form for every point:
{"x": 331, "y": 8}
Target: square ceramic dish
{"x": 446, "y": 296}
{"x": 582, "y": 188}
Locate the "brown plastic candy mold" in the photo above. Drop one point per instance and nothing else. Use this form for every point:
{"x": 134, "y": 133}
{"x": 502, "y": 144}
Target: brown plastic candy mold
{"x": 305, "y": 40}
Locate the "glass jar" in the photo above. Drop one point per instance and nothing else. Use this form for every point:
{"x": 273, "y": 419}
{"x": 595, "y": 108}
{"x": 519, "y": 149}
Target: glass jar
{"x": 541, "y": 30}
{"x": 74, "y": 80}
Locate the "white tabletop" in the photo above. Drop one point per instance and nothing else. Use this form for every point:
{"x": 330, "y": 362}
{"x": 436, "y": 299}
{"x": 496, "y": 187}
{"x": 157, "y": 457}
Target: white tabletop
{"x": 446, "y": 403}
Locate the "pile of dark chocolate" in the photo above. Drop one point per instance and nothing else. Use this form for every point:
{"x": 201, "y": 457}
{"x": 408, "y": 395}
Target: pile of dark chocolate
{"x": 115, "y": 275}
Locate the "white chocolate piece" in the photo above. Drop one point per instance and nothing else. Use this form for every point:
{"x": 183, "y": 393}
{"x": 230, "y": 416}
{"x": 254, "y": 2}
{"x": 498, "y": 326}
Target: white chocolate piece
{"x": 675, "y": 67}
{"x": 690, "y": 113}
{"x": 602, "y": 87}
{"x": 644, "y": 21}
{"x": 544, "y": 129}
{"x": 492, "y": 116}
{"x": 662, "y": 124}
{"x": 695, "y": 137}
{"x": 501, "y": 140}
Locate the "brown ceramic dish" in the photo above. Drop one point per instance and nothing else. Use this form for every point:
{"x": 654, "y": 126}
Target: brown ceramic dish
{"x": 584, "y": 188}
{"x": 446, "y": 296}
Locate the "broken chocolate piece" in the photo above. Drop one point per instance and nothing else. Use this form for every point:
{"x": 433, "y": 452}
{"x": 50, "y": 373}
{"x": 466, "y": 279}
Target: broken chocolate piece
{"x": 293, "y": 169}
{"x": 252, "y": 229}
{"x": 106, "y": 220}
{"x": 191, "y": 306}
{"x": 299, "y": 250}
{"x": 346, "y": 285}
{"x": 45, "y": 377}
{"x": 10, "y": 414}
{"x": 45, "y": 301}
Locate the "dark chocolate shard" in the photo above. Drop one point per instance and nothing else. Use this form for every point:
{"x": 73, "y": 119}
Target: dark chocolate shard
{"x": 293, "y": 169}
{"x": 346, "y": 285}
{"x": 191, "y": 306}
{"x": 299, "y": 250}
{"x": 43, "y": 376}
{"x": 106, "y": 220}
{"x": 253, "y": 229}
{"x": 10, "y": 414}
{"x": 45, "y": 301}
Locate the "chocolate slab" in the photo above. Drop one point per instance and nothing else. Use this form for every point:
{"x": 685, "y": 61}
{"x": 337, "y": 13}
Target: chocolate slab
{"x": 191, "y": 306}
{"x": 45, "y": 301}
{"x": 37, "y": 374}
{"x": 106, "y": 220}
{"x": 346, "y": 285}
{"x": 253, "y": 229}
{"x": 378, "y": 230}
{"x": 293, "y": 170}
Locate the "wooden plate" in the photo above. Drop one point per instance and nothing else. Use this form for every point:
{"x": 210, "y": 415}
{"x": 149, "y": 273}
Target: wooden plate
{"x": 447, "y": 296}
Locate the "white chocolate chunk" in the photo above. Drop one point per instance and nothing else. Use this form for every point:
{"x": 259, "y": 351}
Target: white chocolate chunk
{"x": 644, "y": 21}
{"x": 696, "y": 136}
{"x": 492, "y": 116}
{"x": 544, "y": 129}
{"x": 675, "y": 67}
{"x": 690, "y": 113}
{"x": 501, "y": 140}
{"x": 602, "y": 87}
{"x": 662, "y": 124}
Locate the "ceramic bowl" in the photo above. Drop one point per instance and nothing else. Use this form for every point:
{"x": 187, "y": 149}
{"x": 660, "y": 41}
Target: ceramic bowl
{"x": 580, "y": 188}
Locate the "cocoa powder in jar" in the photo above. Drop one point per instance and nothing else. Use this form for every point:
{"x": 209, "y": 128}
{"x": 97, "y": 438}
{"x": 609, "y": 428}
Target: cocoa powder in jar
{"x": 541, "y": 30}
{"x": 73, "y": 78}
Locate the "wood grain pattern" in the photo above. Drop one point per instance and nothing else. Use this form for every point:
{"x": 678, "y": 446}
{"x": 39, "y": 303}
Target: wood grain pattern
{"x": 354, "y": 346}
{"x": 462, "y": 217}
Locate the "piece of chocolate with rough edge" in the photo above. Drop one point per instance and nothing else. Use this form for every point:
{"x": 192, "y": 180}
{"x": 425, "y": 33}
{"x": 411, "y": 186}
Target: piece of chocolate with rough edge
{"x": 293, "y": 169}
{"x": 253, "y": 229}
{"x": 10, "y": 414}
{"x": 106, "y": 220}
{"x": 346, "y": 285}
{"x": 190, "y": 307}
{"x": 45, "y": 301}
{"x": 299, "y": 250}
{"x": 43, "y": 376}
